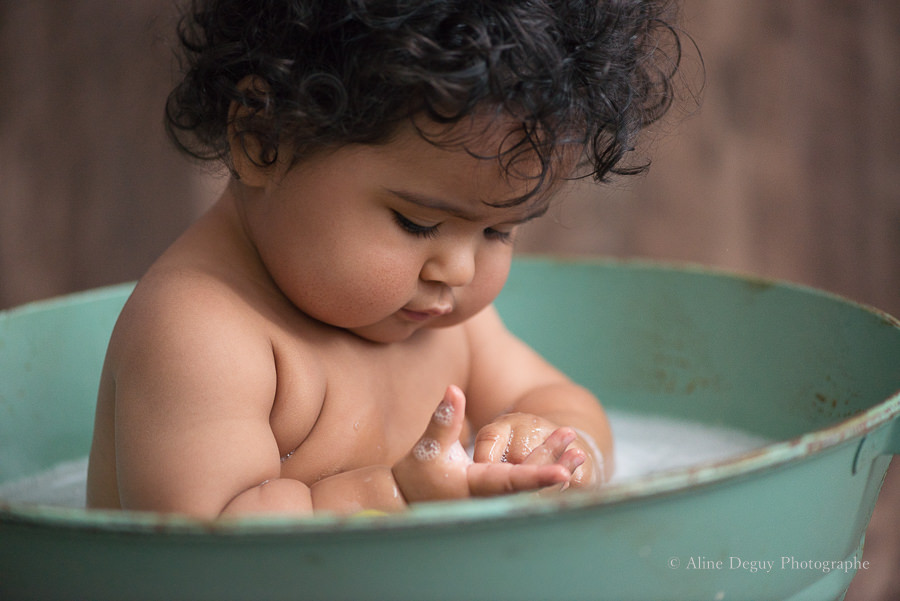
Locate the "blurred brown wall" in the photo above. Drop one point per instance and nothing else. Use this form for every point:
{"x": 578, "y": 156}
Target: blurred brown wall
{"x": 90, "y": 190}
{"x": 790, "y": 168}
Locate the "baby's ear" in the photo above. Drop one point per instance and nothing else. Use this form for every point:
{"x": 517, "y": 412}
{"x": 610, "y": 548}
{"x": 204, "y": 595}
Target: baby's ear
{"x": 252, "y": 163}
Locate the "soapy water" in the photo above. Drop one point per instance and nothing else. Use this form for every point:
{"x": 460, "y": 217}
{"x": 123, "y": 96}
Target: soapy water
{"x": 63, "y": 485}
{"x": 647, "y": 444}
{"x": 426, "y": 449}
{"x": 643, "y": 445}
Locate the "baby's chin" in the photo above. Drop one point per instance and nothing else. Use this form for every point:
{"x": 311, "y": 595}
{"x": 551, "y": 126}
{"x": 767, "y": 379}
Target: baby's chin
{"x": 390, "y": 333}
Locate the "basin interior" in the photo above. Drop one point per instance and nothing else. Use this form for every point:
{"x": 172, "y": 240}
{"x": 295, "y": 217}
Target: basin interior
{"x": 772, "y": 359}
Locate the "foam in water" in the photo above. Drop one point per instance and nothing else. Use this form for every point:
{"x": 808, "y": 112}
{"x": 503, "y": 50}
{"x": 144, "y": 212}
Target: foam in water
{"x": 63, "y": 485}
{"x": 647, "y": 444}
{"x": 644, "y": 445}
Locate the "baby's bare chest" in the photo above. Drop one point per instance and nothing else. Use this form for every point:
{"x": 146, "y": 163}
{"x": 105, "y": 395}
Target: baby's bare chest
{"x": 360, "y": 404}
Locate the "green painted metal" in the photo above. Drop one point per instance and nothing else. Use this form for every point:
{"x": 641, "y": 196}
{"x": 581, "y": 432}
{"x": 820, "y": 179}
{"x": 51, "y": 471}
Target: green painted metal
{"x": 818, "y": 374}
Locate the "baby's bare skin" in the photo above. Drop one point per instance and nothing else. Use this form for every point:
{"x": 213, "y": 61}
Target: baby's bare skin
{"x": 439, "y": 468}
{"x": 265, "y": 366}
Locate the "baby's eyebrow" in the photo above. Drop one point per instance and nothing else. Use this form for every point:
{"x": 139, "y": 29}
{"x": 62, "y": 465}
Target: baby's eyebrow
{"x": 451, "y": 209}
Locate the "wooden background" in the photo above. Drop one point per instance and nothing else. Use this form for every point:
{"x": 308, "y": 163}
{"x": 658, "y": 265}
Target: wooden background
{"x": 789, "y": 169}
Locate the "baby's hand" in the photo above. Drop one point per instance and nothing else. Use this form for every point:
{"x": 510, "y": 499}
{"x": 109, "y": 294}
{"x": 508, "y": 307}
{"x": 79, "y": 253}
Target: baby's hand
{"x": 521, "y": 438}
{"x": 437, "y": 467}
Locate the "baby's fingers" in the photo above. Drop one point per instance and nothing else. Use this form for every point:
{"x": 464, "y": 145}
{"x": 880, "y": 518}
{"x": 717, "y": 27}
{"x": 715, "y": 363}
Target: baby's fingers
{"x": 491, "y": 479}
{"x": 435, "y": 468}
{"x": 445, "y": 426}
{"x": 492, "y": 443}
{"x": 555, "y": 450}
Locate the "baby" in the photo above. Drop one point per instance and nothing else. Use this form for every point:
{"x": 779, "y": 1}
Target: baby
{"x": 323, "y": 338}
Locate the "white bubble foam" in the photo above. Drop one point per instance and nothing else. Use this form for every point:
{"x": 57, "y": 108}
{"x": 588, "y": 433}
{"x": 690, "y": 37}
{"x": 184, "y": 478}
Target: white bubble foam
{"x": 647, "y": 444}
{"x": 62, "y": 485}
{"x": 443, "y": 414}
{"x": 426, "y": 449}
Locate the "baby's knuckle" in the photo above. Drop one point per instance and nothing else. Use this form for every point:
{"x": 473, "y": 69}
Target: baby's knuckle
{"x": 489, "y": 434}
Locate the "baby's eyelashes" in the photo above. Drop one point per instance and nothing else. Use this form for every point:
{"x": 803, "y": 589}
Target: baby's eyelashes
{"x": 416, "y": 229}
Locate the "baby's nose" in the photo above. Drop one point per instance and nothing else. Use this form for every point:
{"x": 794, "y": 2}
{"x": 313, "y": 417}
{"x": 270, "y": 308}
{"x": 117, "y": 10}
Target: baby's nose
{"x": 453, "y": 266}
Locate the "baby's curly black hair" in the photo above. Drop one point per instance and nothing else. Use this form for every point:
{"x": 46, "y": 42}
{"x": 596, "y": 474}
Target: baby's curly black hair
{"x": 582, "y": 74}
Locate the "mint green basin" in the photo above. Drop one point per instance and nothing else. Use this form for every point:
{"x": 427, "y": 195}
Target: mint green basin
{"x": 817, "y": 374}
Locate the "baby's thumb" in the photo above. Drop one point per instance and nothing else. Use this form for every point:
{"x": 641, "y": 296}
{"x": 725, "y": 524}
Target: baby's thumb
{"x": 445, "y": 426}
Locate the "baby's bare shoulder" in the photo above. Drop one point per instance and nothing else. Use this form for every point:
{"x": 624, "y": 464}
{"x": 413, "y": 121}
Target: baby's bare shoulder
{"x": 183, "y": 304}
{"x": 196, "y": 331}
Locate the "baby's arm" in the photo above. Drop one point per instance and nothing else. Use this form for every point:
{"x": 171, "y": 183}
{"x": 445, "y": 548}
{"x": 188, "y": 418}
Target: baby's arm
{"x": 194, "y": 386}
{"x": 195, "y": 383}
{"x": 436, "y": 468}
{"x": 517, "y": 400}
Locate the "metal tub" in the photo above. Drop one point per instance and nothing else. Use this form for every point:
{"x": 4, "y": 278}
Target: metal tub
{"x": 817, "y": 374}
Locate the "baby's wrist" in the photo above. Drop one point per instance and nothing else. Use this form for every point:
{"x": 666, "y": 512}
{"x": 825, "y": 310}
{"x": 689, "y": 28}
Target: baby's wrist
{"x": 366, "y": 488}
{"x": 596, "y": 455}
{"x": 387, "y": 491}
